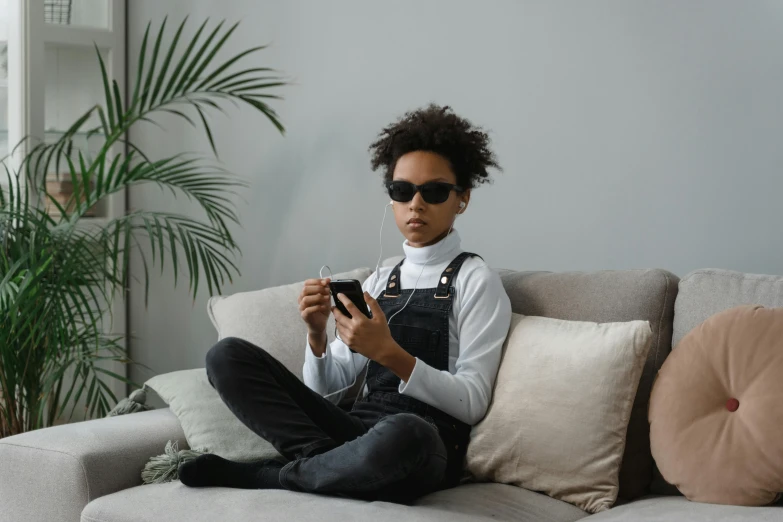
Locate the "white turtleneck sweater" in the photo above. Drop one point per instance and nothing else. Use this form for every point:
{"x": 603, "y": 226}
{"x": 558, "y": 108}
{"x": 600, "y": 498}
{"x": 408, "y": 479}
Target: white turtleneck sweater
{"x": 478, "y": 324}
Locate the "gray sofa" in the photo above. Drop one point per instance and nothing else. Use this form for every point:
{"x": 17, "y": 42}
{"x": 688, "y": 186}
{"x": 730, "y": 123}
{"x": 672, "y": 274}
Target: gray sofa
{"x": 90, "y": 471}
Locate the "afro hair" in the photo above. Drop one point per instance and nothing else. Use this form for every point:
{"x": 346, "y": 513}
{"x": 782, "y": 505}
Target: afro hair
{"x": 437, "y": 129}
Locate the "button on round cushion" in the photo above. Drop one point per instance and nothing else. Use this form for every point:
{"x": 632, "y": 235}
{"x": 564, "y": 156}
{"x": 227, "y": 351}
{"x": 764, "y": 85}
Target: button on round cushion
{"x": 716, "y": 409}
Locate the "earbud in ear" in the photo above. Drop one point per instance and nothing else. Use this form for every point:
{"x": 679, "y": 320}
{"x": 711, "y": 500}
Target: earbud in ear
{"x": 461, "y": 204}
{"x": 391, "y": 202}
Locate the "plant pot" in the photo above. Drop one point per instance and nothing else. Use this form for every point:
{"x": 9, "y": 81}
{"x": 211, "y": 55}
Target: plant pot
{"x": 61, "y": 191}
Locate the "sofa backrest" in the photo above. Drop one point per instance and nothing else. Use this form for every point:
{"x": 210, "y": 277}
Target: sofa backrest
{"x": 601, "y": 297}
{"x": 708, "y": 291}
{"x": 270, "y": 318}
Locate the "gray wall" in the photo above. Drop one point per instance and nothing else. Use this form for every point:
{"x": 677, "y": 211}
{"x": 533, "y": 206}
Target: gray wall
{"x": 633, "y": 134}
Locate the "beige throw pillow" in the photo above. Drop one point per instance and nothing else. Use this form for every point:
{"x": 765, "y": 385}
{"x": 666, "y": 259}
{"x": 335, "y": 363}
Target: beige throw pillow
{"x": 559, "y": 414}
{"x": 206, "y": 420}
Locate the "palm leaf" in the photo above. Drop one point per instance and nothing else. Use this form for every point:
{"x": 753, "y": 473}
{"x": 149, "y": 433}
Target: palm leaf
{"x": 110, "y": 109}
{"x": 153, "y": 62}
{"x": 173, "y": 79}
{"x": 207, "y": 129}
{"x": 165, "y": 66}
{"x": 188, "y": 75}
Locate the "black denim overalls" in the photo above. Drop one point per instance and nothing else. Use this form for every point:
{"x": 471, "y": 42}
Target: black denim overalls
{"x": 422, "y": 329}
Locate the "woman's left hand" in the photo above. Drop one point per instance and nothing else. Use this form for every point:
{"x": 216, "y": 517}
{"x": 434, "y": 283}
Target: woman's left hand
{"x": 369, "y": 337}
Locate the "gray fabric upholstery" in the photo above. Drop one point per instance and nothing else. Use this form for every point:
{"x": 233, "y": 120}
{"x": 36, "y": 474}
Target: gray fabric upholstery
{"x": 51, "y": 474}
{"x": 174, "y": 502}
{"x": 679, "y": 509}
{"x": 500, "y": 502}
{"x": 705, "y": 292}
{"x": 609, "y": 296}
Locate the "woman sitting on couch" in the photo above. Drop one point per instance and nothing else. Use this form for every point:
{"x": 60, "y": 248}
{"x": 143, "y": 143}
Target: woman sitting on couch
{"x": 431, "y": 365}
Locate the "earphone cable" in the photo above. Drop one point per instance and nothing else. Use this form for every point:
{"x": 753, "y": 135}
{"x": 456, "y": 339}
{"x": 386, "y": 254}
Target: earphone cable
{"x": 415, "y": 286}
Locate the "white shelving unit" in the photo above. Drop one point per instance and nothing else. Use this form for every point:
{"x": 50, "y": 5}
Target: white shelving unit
{"x": 54, "y": 77}
{"x": 11, "y": 36}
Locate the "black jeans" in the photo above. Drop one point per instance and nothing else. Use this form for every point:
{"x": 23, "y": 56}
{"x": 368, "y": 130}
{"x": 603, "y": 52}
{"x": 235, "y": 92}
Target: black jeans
{"x": 394, "y": 457}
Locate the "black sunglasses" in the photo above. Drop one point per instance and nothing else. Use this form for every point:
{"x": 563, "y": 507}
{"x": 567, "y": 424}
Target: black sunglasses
{"x": 433, "y": 192}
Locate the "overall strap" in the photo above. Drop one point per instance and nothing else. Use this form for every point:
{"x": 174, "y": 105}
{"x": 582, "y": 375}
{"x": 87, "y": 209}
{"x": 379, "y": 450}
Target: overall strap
{"x": 444, "y": 283}
{"x": 445, "y": 287}
{"x": 393, "y": 283}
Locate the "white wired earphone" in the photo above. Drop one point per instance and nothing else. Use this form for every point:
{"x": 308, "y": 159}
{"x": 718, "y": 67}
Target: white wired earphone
{"x": 377, "y": 266}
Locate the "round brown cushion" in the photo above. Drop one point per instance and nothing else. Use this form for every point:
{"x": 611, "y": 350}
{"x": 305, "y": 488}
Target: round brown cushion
{"x": 716, "y": 410}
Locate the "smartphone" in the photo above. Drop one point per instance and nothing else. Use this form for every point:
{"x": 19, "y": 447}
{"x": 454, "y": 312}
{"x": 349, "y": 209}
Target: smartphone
{"x": 353, "y": 290}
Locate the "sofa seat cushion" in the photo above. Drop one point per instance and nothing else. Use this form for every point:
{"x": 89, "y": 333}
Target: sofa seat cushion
{"x": 490, "y": 501}
{"x": 174, "y": 502}
{"x": 679, "y": 509}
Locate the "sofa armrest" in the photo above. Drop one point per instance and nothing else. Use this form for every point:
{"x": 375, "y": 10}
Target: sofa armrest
{"x": 53, "y": 473}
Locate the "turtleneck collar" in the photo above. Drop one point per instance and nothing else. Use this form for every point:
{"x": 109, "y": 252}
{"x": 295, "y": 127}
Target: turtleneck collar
{"x": 447, "y": 249}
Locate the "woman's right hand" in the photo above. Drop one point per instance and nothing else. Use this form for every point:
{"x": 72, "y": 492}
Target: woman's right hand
{"x": 314, "y": 305}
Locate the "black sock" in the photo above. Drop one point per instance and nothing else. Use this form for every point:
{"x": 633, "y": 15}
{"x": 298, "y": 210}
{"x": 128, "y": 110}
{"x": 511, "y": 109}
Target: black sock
{"x": 213, "y": 470}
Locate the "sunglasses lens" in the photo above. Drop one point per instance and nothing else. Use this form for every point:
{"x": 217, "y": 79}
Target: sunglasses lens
{"x": 401, "y": 191}
{"x": 435, "y": 192}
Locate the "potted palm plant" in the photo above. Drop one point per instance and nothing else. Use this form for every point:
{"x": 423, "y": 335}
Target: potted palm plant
{"x": 59, "y": 272}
